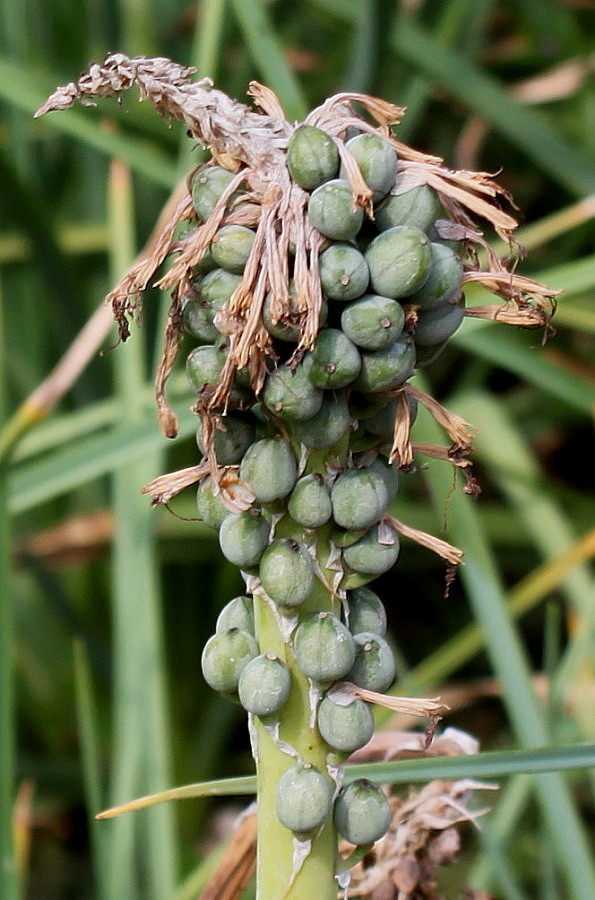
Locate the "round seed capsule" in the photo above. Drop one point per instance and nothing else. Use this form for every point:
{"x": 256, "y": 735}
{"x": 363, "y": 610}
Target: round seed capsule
{"x": 385, "y": 369}
{"x": 204, "y": 366}
{"x": 211, "y": 509}
{"x": 335, "y": 360}
{"x": 287, "y": 573}
{"x": 438, "y": 324}
{"x": 231, "y": 247}
{"x": 373, "y": 322}
{"x": 269, "y": 469}
{"x": 417, "y": 206}
{"x": 359, "y": 498}
{"x": 444, "y": 281}
{"x": 332, "y": 212}
{"x": 230, "y": 443}
{"x": 366, "y": 612}
{"x": 371, "y": 555}
{"x": 425, "y": 356}
{"x": 310, "y": 502}
{"x": 207, "y": 186}
{"x": 362, "y": 813}
{"x": 223, "y": 658}
{"x": 243, "y": 537}
{"x": 374, "y": 666}
{"x": 345, "y": 728}
{"x": 216, "y": 287}
{"x": 377, "y": 162}
{"x": 312, "y": 157}
{"x": 324, "y": 648}
{"x": 304, "y": 798}
{"x": 399, "y": 261}
{"x": 238, "y": 613}
{"x": 344, "y": 273}
{"x": 290, "y": 394}
{"x": 389, "y": 474}
{"x": 328, "y": 426}
{"x": 264, "y": 685}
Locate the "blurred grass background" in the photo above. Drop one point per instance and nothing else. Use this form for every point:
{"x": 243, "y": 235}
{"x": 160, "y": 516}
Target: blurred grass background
{"x": 105, "y": 604}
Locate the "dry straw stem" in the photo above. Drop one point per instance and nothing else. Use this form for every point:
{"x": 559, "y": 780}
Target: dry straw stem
{"x": 252, "y": 143}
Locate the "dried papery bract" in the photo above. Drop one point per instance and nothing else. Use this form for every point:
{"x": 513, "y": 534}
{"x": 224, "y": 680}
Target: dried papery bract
{"x": 263, "y": 250}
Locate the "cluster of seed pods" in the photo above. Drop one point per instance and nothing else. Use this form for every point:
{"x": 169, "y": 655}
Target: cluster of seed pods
{"x": 313, "y": 450}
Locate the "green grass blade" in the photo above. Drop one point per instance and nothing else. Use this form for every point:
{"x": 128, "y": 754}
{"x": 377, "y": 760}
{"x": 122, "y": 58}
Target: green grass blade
{"x": 268, "y": 57}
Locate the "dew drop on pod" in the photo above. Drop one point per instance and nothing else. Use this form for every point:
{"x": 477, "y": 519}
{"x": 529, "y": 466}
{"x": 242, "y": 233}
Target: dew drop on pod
{"x": 324, "y": 648}
{"x": 231, "y": 247}
{"x": 211, "y": 509}
{"x": 264, "y": 685}
{"x": 312, "y": 157}
{"x": 332, "y": 212}
{"x": 362, "y": 813}
{"x": 207, "y": 186}
{"x": 377, "y": 162}
{"x": 399, "y": 261}
{"x": 328, "y": 426}
{"x": 359, "y": 498}
{"x": 310, "y": 502}
{"x": 345, "y": 727}
{"x": 335, "y": 361}
{"x": 269, "y": 469}
{"x": 224, "y": 657}
{"x": 436, "y": 325}
{"x": 238, "y": 613}
{"x": 371, "y": 555}
{"x": 366, "y": 612}
{"x": 287, "y": 573}
{"x": 444, "y": 281}
{"x": 304, "y": 798}
{"x": 374, "y": 666}
{"x": 231, "y": 442}
{"x": 382, "y": 370}
{"x": 290, "y": 394}
{"x": 243, "y": 537}
{"x": 418, "y": 206}
{"x": 344, "y": 273}
{"x": 373, "y": 322}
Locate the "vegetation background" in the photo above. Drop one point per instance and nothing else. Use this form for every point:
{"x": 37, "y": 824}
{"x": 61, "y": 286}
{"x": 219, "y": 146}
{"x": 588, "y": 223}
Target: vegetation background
{"x": 106, "y": 604}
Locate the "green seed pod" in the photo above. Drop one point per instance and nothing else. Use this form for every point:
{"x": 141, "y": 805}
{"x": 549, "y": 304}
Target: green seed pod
{"x": 371, "y": 556}
{"x": 304, "y": 798}
{"x": 324, "y": 648}
{"x": 211, "y": 509}
{"x": 344, "y": 273}
{"x": 377, "y": 162}
{"x": 207, "y": 186}
{"x": 362, "y": 813}
{"x": 418, "y": 206}
{"x": 232, "y": 442}
{"x": 425, "y": 356}
{"x": 312, "y": 157}
{"x": 204, "y": 366}
{"x": 310, "y": 502}
{"x": 238, "y": 614}
{"x": 384, "y": 369}
{"x": 328, "y": 426}
{"x": 290, "y": 394}
{"x": 264, "y": 685}
{"x": 389, "y": 474}
{"x": 382, "y": 423}
{"x": 287, "y": 573}
{"x": 224, "y": 657}
{"x": 374, "y": 666}
{"x": 373, "y": 322}
{"x": 243, "y": 537}
{"x": 197, "y": 320}
{"x": 366, "y": 612}
{"x": 331, "y": 210}
{"x": 444, "y": 282}
{"x": 438, "y": 324}
{"x": 359, "y": 499}
{"x": 269, "y": 469}
{"x": 216, "y": 287}
{"x": 345, "y": 728}
{"x": 334, "y": 361}
{"x": 399, "y": 261}
{"x": 231, "y": 247}
{"x": 364, "y": 406}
